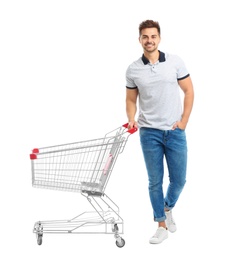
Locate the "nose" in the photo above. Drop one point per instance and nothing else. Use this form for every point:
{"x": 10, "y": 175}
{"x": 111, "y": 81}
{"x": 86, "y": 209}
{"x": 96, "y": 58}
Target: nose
{"x": 150, "y": 40}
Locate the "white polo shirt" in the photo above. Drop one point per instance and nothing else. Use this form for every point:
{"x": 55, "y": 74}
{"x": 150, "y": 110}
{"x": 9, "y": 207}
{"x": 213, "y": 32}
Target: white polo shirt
{"x": 159, "y": 92}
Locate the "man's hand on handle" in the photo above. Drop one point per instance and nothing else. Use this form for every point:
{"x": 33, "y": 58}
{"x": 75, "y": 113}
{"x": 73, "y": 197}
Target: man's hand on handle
{"x": 132, "y": 124}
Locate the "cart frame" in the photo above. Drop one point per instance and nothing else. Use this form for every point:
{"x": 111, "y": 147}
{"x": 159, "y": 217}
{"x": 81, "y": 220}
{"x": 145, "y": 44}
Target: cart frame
{"x": 83, "y": 167}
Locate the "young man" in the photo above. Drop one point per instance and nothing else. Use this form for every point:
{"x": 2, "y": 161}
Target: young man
{"x": 156, "y": 79}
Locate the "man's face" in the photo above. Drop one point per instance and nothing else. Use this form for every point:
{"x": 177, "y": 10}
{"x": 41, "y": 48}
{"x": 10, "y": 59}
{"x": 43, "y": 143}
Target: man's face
{"x": 149, "y": 39}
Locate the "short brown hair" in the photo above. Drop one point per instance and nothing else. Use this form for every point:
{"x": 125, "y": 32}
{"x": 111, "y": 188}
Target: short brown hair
{"x": 149, "y": 24}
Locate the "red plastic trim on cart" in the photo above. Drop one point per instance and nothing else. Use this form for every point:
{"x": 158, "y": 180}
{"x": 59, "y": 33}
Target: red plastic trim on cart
{"x": 107, "y": 164}
{"x": 132, "y": 130}
{"x": 33, "y": 154}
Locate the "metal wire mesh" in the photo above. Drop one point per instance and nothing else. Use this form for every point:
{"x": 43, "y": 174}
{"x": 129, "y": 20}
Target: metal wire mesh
{"x": 77, "y": 166}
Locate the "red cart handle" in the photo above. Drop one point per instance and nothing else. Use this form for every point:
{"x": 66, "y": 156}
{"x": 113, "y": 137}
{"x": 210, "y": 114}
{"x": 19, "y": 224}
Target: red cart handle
{"x": 132, "y": 130}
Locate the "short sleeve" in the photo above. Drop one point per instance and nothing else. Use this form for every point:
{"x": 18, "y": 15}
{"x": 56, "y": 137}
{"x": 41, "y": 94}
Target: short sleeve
{"x": 129, "y": 79}
{"x": 182, "y": 71}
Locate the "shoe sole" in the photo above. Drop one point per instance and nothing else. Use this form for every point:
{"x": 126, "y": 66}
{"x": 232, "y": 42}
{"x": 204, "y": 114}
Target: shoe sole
{"x": 151, "y": 242}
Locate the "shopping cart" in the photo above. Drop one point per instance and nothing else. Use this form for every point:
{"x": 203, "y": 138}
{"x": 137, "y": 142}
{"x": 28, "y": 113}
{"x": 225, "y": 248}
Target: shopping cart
{"x": 83, "y": 167}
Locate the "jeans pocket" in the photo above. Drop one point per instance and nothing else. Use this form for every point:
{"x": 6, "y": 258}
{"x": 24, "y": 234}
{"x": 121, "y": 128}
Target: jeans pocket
{"x": 179, "y": 129}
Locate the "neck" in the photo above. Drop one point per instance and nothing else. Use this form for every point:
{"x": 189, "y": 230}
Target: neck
{"x": 152, "y": 56}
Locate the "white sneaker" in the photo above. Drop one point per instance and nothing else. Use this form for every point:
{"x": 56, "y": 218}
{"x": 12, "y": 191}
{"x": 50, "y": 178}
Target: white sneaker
{"x": 170, "y": 222}
{"x": 160, "y": 235}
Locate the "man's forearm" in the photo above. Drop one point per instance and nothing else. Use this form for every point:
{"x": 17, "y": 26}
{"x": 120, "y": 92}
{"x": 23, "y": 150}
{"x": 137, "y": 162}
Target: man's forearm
{"x": 131, "y": 110}
{"x": 188, "y": 105}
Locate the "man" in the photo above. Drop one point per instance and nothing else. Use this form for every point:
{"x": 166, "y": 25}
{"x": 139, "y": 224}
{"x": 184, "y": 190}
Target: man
{"x": 155, "y": 80}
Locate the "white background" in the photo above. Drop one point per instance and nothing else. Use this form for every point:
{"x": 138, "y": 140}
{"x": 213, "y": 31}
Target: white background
{"x": 62, "y": 79}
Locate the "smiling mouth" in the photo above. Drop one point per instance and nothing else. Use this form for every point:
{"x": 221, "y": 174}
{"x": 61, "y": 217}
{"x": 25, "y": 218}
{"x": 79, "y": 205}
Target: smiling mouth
{"x": 149, "y": 45}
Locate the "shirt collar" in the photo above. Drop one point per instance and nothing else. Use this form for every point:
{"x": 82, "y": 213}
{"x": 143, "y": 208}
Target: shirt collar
{"x": 161, "y": 58}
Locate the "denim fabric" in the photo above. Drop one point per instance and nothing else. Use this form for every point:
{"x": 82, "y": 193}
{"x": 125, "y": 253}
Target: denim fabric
{"x": 171, "y": 145}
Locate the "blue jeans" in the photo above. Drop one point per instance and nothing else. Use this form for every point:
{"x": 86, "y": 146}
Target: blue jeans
{"x": 171, "y": 145}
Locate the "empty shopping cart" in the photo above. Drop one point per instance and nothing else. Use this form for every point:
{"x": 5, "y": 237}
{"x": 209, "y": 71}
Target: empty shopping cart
{"x": 83, "y": 167}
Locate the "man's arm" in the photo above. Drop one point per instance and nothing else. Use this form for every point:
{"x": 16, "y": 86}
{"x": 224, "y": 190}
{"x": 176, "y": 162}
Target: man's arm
{"x": 131, "y": 106}
{"x": 187, "y": 87}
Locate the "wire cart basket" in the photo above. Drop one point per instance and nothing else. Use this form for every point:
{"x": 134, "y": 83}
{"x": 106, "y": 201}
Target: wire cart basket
{"x": 83, "y": 167}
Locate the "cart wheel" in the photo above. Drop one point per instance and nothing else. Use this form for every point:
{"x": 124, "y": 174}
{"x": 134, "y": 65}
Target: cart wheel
{"x": 121, "y": 243}
{"x": 39, "y": 239}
